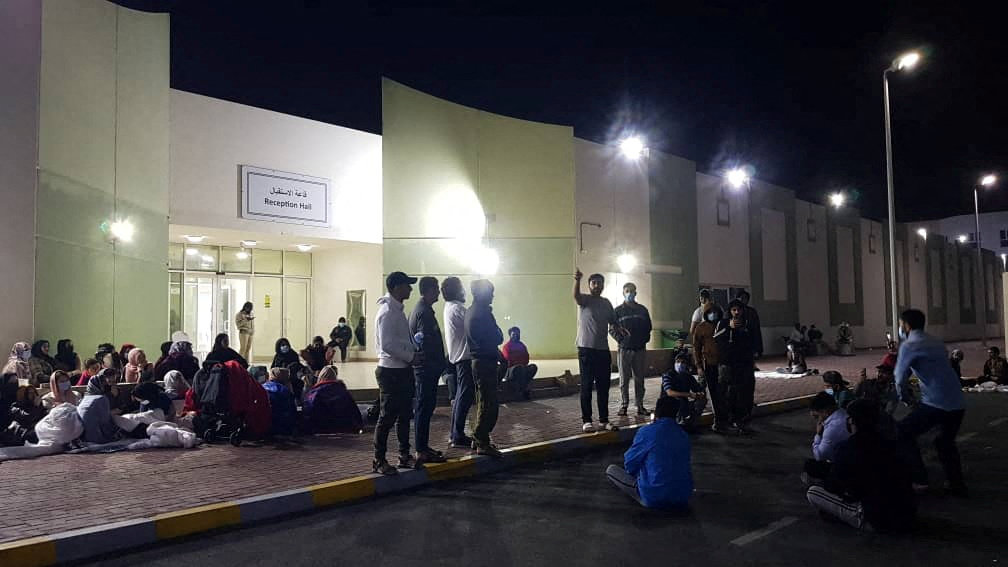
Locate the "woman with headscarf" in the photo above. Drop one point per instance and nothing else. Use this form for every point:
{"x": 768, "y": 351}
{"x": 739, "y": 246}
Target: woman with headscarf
{"x": 60, "y": 391}
{"x": 165, "y": 347}
{"x": 222, "y": 351}
{"x": 66, "y": 359}
{"x": 17, "y": 363}
{"x": 137, "y": 368}
{"x": 150, "y": 397}
{"x": 180, "y": 357}
{"x": 27, "y": 409}
{"x": 329, "y": 407}
{"x": 315, "y": 355}
{"x": 95, "y": 410}
{"x": 40, "y": 364}
{"x": 125, "y": 349}
{"x": 175, "y": 385}
{"x": 282, "y": 402}
{"x": 284, "y": 355}
{"x": 12, "y": 433}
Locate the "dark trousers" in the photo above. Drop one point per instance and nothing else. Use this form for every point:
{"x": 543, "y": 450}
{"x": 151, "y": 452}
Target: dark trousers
{"x": 817, "y": 471}
{"x": 922, "y": 419}
{"x": 465, "y": 393}
{"x": 451, "y": 380}
{"x": 395, "y": 400}
{"x": 738, "y": 386}
{"x": 596, "y": 374}
{"x": 717, "y": 396}
{"x": 426, "y": 380}
{"x": 342, "y": 353}
{"x": 519, "y": 378}
{"x": 487, "y": 406}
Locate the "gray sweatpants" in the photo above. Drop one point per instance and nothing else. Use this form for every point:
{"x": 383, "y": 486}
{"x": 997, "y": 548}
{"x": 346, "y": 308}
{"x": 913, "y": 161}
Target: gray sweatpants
{"x": 631, "y": 364}
{"x": 623, "y": 481}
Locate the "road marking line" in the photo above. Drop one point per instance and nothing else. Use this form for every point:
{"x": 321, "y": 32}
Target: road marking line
{"x": 967, "y": 436}
{"x": 761, "y": 533}
{"x": 997, "y": 422}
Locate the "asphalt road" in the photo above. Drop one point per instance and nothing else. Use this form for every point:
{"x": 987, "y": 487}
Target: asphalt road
{"x": 749, "y": 509}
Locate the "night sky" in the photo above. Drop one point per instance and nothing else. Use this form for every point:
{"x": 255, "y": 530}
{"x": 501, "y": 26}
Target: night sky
{"x": 795, "y": 91}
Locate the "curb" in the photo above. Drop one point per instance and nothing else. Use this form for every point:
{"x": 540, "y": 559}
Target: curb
{"x": 94, "y": 541}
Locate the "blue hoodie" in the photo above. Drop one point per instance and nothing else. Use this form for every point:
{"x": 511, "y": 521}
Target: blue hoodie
{"x": 660, "y": 459}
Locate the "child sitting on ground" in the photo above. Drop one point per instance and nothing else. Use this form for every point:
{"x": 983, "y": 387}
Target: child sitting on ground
{"x": 683, "y": 387}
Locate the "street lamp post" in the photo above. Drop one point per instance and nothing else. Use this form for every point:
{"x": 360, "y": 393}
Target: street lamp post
{"x": 986, "y": 181}
{"x": 905, "y": 61}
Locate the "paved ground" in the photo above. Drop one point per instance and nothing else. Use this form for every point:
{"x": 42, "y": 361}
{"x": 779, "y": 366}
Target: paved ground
{"x": 565, "y": 513}
{"x": 102, "y": 488}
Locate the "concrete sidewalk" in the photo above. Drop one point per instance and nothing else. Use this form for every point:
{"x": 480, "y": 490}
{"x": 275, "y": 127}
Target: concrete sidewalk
{"x": 99, "y": 489}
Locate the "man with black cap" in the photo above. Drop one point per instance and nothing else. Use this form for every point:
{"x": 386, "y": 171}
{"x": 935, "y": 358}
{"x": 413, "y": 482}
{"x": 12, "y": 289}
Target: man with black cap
{"x": 396, "y": 354}
{"x": 483, "y": 336}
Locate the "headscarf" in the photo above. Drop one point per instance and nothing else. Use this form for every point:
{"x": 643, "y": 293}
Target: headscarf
{"x": 125, "y": 350}
{"x": 328, "y": 374}
{"x": 218, "y": 343}
{"x": 36, "y": 351}
{"x": 16, "y": 364}
{"x": 96, "y": 384}
{"x": 175, "y": 384}
{"x": 180, "y": 348}
{"x": 59, "y": 396}
{"x": 281, "y": 375}
{"x": 133, "y": 368}
{"x": 65, "y": 354}
{"x": 155, "y": 398}
{"x": 22, "y": 395}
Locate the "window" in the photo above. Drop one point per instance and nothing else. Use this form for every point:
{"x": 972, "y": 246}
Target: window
{"x": 723, "y": 211}
{"x": 1004, "y": 238}
{"x": 972, "y": 238}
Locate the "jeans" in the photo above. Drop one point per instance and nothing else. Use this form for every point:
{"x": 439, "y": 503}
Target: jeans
{"x": 596, "y": 373}
{"x": 922, "y": 419}
{"x": 519, "y": 378}
{"x": 631, "y": 364}
{"x": 426, "y": 379}
{"x": 451, "y": 380}
{"x": 465, "y": 393}
{"x": 717, "y": 398}
{"x": 623, "y": 481}
{"x": 738, "y": 387}
{"x": 486, "y": 378}
{"x": 395, "y": 399}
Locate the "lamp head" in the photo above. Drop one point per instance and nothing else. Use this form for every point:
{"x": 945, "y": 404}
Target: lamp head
{"x": 988, "y": 180}
{"x": 907, "y": 61}
{"x": 737, "y": 177}
{"x": 632, "y": 147}
{"x": 837, "y": 200}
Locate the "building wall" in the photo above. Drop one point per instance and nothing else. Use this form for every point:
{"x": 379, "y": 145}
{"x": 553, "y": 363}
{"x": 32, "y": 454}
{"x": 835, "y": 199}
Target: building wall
{"x": 102, "y": 156}
{"x": 20, "y": 51}
{"x": 458, "y": 183}
{"x": 723, "y": 249}
{"x": 873, "y": 273}
{"x": 674, "y": 237}
{"x": 813, "y": 285}
{"x": 773, "y": 261}
{"x": 346, "y": 266}
{"x": 211, "y": 138}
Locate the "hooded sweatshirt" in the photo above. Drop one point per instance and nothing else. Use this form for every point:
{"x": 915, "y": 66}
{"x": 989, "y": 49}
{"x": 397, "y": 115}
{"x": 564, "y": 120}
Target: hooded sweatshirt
{"x": 393, "y": 341}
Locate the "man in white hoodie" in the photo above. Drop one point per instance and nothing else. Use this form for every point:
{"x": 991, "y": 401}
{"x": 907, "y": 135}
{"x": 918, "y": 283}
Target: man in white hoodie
{"x": 396, "y": 355}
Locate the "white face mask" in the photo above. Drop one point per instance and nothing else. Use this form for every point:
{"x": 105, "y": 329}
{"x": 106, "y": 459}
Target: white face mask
{"x": 681, "y": 368}
{"x": 63, "y": 386}
{"x": 25, "y": 355}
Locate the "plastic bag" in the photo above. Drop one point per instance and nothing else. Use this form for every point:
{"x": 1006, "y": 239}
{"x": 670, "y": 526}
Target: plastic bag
{"x": 165, "y": 434}
{"x": 60, "y": 426}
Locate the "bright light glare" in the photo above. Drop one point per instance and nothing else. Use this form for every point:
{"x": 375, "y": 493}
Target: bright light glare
{"x": 626, "y": 263}
{"x": 191, "y": 251}
{"x": 248, "y": 243}
{"x": 194, "y": 238}
{"x": 208, "y": 258}
{"x": 963, "y": 238}
{"x": 632, "y": 147}
{"x": 908, "y": 60}
{"x": 242, "y": 255}
{"x": 122, "y": 230}
{"x": 922, "y": 232}
{"x": 485, "y": 261}
{"x": 988, "y": 180}
{"x": 1004, "y": 260}
{"x": 837, "y": 200}
{"x": 737, "y": 178}
{"x": 305, "y": 247}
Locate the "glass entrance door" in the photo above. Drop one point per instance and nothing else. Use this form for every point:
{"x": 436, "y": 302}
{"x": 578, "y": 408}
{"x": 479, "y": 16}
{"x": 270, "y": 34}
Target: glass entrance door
{"x": 296, "y": 312}
{"x": 232, "y": 294}
{"x": 198, "y": 309}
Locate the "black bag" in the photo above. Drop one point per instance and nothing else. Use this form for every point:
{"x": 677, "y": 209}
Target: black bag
{"x": 210, "y": 389}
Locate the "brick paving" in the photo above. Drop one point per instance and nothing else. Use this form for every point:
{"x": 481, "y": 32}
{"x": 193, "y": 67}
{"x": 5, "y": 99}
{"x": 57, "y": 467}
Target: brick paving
{"x": 64, "y": 492}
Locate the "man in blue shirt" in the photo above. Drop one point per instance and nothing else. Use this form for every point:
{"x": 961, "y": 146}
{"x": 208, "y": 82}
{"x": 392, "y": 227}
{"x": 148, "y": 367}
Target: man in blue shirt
{"x": 656, "y": 468}
{"x": 941, "y": 404}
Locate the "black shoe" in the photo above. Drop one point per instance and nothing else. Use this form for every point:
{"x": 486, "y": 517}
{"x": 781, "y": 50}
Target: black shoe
{"x": 643, "y": 411}
{"x": 743, "y": 428}
{"x": 489, "y": 449}
{"x": 383, "y": 467}
{"x": 463, "y": 443}
{"x": 721, "y": 429}
{"x": 407, "y": 461}
{"x": 429, "y": 456}
{"x": 622, "y": 412}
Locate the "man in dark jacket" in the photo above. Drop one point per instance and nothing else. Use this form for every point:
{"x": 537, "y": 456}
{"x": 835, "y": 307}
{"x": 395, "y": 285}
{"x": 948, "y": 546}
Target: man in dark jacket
{"x": 484, "y": 337}
{"x": 736, "y": 377}
{"x": 751, "y": 317}
{"x": 869, "y": 482}
{"x": 635, "y": 319}
{"x": 340, "y": 337}
{"x": 427, "y": 337}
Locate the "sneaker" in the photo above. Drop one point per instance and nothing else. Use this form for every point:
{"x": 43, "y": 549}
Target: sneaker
{"x": 606, "y": 426}
{"x": 490, "y": 450}
{"x": 407, "y": 461}
{"x": 721, "y": 429}
{"x": 643, "y": 411}
{"x": 429, "y": 456}
{"x": 622, "y": 411}
{"x": 588, "y": 427}
{"x": 383, "y": 467}
{"x": 463, "y": 443}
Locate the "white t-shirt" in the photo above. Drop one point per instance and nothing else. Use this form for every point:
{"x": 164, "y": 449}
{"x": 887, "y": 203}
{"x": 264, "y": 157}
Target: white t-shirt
{"x": 698, "y": 315}
{"x": 455, "y": 331}
{"x": 594, "y": 317}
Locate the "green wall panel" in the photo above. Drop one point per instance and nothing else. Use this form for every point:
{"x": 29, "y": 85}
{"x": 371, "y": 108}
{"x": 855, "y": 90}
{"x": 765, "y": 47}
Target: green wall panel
{"x": 672, "y": 183}
{"x": 68, "y": 303}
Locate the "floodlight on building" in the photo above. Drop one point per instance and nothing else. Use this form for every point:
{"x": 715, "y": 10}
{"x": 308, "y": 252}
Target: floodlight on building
{"x": 737, "y": 177}
{"x": 191, "y": 251}
{"x": 304, "y": 247}
{"x": 194, "y": 238}
{"x": 626, "y": 263}
{"x": 121, "y": 230}
{"x": 248, "y": 243}
{"x": 242, "y": 255}
{"x": 907, "y": 61}
{"x": 632, "y": 147}
{"x": 837, "y": 200}
{"x": 485, "y": 261}
{"x": 922, "y": 232}
{"x": 988, "y": 180}
{"x": 963, "y": 238}
{"x": 1004, "y": 261}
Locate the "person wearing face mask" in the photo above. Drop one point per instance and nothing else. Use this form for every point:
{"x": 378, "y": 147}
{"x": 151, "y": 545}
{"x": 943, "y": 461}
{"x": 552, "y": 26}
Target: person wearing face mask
{"x": 635, "y": 332}
{"x": 245, "y": 323}
{"x": 60, "y": 391}
{"x": 40, "y": 364}
{"x": 831, "y": 430}
{"x": 340, "y": 337}
{"x": 17, "y": 363}
{"x": 180, "y": 357}
{"x": 519, "y": 372}
{"x": 284, "y": 355}
{"x": 736, "y": 376}
{"x": 707, "y": 358}
{"x": 12, "y": 433}
{"x": 941, "y": 406}
{"x": 95, "y": 410}
{"x": 66, "y": 359}
{"x": 314, "y": 355}
{"x": 681, "y": 386}
{"x": 27, "y": 410}
{"x": 137, "y": 368}
{"x": 698, "y": 314}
